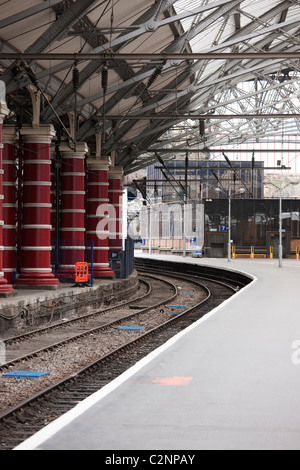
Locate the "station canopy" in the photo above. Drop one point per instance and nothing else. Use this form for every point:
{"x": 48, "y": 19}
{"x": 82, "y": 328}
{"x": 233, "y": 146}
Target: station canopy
{"x": 153, "y": 77}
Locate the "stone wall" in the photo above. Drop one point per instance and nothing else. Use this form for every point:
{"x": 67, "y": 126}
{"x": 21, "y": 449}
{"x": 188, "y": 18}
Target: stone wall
{"x": 18, "y": 316}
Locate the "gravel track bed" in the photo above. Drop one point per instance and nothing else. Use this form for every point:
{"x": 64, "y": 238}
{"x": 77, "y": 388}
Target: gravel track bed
{"x": 66, "y": 360}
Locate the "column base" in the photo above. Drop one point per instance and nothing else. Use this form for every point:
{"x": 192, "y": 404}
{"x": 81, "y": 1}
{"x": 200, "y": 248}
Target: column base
{"x": 103, "y": 272}
{"x": 66, "y": 274}
{"x": 37, "y": 280}
{"x": 9, "y": 277}
{"x": 5, "y": 289}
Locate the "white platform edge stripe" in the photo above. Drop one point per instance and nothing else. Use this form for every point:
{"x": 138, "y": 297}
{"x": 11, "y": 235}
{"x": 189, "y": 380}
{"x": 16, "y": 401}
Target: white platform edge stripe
{"x": 41, "y": 436}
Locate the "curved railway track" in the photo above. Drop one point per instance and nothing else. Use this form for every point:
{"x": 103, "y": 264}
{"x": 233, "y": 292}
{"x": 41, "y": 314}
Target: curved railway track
{"x": 48, "y": 338}
{"x": 25, "y": 418}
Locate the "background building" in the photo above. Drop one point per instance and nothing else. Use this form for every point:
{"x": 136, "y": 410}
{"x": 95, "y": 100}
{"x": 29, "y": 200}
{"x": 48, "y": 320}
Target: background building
{"x": 199, "y": 179}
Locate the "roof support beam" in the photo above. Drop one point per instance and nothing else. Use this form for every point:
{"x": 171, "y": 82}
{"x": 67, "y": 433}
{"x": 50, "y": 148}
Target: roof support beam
{"x": 150, "y": 26}
{"x": 134, "y": 57}
{"x": 29, "y": 12}
{"x": 214, "y": 149}
{"x": 54, "y": 33}
{"x": 189, "y": 92}
{"x": 233, "y": 40}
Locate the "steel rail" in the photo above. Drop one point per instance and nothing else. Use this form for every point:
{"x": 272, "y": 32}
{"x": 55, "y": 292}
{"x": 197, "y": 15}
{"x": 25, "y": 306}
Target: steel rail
{"x": 60, "y": 397}
{"x": 12, "y": 339}
{"x": 77, "y": 336}
{"x": 191, "y": 275}
{"x": 109, "y": 356}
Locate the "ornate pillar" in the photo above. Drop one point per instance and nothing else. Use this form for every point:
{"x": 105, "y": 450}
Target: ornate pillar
{"x": 36, "y": 228}
{"x": 72, "y": 226}
{"x": 115, "y": 195}
{"x": 5, "y": 288}
{"x": 9, "y": 205}
{"x": 98, "y": 212}
{"x": 53, "y": 207}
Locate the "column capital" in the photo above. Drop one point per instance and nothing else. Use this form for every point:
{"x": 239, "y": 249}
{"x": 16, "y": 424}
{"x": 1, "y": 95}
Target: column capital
{"x": 4, "y": 111}
{"x": 116, "y": 172}
{"x": 98, "y": 163}
{"x": 81, "y": 149}
{"x": 43, "y": 133}
{"x": 8, "y": 134}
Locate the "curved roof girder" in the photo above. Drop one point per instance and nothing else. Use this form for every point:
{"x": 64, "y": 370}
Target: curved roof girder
{"x": 182, "y": 87}
{"x": 270, "y": 14}
{"x": 174, "y": 46}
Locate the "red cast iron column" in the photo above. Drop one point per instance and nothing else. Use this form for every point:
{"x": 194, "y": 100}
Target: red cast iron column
{"x": 36, "y": 229}
{"x": 115, "y": 195}
{"x": 72, "y": 226}
{"x": 97, "y": 218}
{"x": 9, "y": 205}
{"x": 53, "y": 207}
{"x": 5, "y": 288}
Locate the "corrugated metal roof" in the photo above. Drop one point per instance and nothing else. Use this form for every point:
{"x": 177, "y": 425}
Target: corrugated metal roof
{"x": 148, "y": 88}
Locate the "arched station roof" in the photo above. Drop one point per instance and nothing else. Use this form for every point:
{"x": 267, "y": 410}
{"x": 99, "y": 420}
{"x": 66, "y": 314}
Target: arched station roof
{"x": 153, "y": 75}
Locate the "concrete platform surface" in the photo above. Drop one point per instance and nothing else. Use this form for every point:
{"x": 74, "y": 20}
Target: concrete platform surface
{"x": 230, "y": 381}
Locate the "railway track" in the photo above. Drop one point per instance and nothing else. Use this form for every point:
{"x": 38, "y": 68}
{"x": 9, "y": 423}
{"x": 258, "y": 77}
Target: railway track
{"x": 47, "y": 338}
{"x": 233, "y": 279}
{"x": 25, "y": 418}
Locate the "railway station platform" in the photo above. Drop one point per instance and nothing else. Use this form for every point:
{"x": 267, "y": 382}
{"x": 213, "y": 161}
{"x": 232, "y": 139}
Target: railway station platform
{"x": 230, "y": 381}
